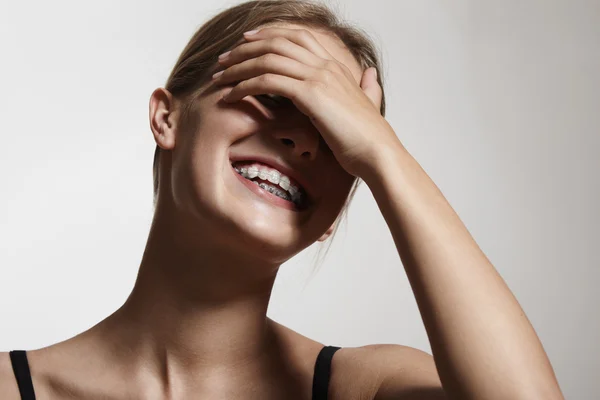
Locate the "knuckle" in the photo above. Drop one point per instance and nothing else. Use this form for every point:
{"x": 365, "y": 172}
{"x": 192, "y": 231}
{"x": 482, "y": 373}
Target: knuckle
{"x": 326, "y": 76}
{"x": 265, "y": 78}
{"x": 267, "y": 59}
{"x": 330, "y": 65}
{"x": 278, "y": 43}
{"x": 336, "y": 66}
{"x": 304, "y": 34}
{"x": 317, "y": 86}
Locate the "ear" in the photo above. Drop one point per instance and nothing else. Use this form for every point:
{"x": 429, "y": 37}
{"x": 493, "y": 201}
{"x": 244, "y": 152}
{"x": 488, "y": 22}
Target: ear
{"x": 163, "y": 118}
{"x": 328, "y": 233}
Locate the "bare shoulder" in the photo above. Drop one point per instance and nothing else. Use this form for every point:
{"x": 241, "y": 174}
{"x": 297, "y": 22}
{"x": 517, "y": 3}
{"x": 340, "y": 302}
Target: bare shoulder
{"x": 8, "y": 384}
{"x": 385, "y": 372}
{"x": 374, "y": 372}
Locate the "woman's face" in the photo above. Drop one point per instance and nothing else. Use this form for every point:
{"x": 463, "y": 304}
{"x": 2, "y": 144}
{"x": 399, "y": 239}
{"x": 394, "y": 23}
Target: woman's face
{"x": 259, "y": 136}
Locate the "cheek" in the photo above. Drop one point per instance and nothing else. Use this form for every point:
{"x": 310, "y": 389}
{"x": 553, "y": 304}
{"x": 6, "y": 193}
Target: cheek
{"x": 336, "y": 191}
{"x": 336, "y": 181}
{"x": 212, "y": 135}
{"x": 198, "y": 159}
{"x": 341, "y": 191}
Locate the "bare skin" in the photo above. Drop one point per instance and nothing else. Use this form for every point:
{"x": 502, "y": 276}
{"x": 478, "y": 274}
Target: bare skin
{"x": 61, "y": 372}
{"x": 195, "y": 324}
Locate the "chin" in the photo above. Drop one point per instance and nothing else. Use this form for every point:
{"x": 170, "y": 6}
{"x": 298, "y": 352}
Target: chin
{"x": 273, "y": 243}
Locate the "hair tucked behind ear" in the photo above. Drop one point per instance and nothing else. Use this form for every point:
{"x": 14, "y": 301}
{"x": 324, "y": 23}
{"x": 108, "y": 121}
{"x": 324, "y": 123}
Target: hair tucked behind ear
{"x": 198, "y": 60}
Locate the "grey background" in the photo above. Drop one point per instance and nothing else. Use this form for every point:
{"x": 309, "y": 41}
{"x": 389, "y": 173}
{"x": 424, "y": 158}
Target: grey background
{"x": 498, "y": 101}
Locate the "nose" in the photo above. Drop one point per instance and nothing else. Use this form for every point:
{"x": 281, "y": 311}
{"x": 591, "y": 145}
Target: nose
{"x": 303, "y": 143}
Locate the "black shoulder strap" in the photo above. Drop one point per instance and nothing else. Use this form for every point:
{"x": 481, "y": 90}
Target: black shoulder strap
{"x": 322, "y": 372}
{"x": 18, "y": 358}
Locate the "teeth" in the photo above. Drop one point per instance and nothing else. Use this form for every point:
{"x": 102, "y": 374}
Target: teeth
{"x": 289, "y": 192}
{"x": 273, "y": 190}
{"x": 284, "y": 182}
{"x": 274, "y": 176}
{"x": 296, "y": 198}
{"x": 283, "y": 195}
{"x": 252, "y": 172}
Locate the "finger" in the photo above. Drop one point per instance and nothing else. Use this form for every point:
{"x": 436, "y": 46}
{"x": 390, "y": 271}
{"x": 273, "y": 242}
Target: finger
{"x": 276, "y": 45}
{"x": 371, "y": 87}
{"x": 268, "y": 63}
{"x": 267, "y": 83}
{"x": 304, "y": 38}
{"x": 301, "y": 37}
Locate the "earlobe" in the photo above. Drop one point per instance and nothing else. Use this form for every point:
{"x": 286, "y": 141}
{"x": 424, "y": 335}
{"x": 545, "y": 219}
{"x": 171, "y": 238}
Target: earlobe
{"x": 162, "y": 109}
{"x": 327, "y": 233}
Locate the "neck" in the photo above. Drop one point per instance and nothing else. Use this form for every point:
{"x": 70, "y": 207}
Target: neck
{"x": 196, "y": 308}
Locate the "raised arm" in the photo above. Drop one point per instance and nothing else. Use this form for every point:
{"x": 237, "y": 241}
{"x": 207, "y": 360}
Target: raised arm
{"x": 483, "y": 345}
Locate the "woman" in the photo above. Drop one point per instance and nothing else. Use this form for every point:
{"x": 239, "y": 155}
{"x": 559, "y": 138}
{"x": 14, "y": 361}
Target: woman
{"x": 257, "y": 162}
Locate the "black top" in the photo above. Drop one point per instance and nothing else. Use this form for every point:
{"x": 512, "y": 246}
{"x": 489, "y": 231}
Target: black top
{"x": 322, "y": 372}
{"x": 18, "y": 358}
{"x": 20, "y": 366}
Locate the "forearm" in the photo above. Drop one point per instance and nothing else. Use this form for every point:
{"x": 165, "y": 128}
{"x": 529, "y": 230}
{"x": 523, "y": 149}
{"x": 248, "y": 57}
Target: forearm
{"x": 483, "y": 345}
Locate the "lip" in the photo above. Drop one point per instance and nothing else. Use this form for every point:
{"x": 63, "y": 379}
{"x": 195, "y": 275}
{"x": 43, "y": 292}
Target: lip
{"x": 283, "y": 168}
{"x": 278, "y": 201}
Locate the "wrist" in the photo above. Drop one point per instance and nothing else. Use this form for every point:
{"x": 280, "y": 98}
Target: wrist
{"x": 385, "y": 161}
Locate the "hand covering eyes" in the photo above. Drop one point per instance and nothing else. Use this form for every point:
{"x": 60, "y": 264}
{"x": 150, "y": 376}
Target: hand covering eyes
{"x": 273, "y": 100}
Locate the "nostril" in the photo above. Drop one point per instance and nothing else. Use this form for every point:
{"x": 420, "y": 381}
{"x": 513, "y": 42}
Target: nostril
{"x": 288, "y": 142}
{"x": 306, "y": 154}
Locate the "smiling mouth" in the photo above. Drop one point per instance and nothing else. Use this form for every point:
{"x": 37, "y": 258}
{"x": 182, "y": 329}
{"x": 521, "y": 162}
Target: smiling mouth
{"x": 273, "y": 181}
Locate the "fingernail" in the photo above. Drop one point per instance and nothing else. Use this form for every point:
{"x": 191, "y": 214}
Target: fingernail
{"x": 251, "y": 32}
{"x": 224, "y": 55}
{"x": 217, "y": 74}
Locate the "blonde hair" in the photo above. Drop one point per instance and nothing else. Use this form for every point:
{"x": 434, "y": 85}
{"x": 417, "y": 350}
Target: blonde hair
{"x": 198, "y": 60}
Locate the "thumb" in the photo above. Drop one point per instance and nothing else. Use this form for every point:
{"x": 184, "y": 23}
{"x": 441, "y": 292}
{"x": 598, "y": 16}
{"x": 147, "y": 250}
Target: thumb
{"x": 371, "y": 87}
